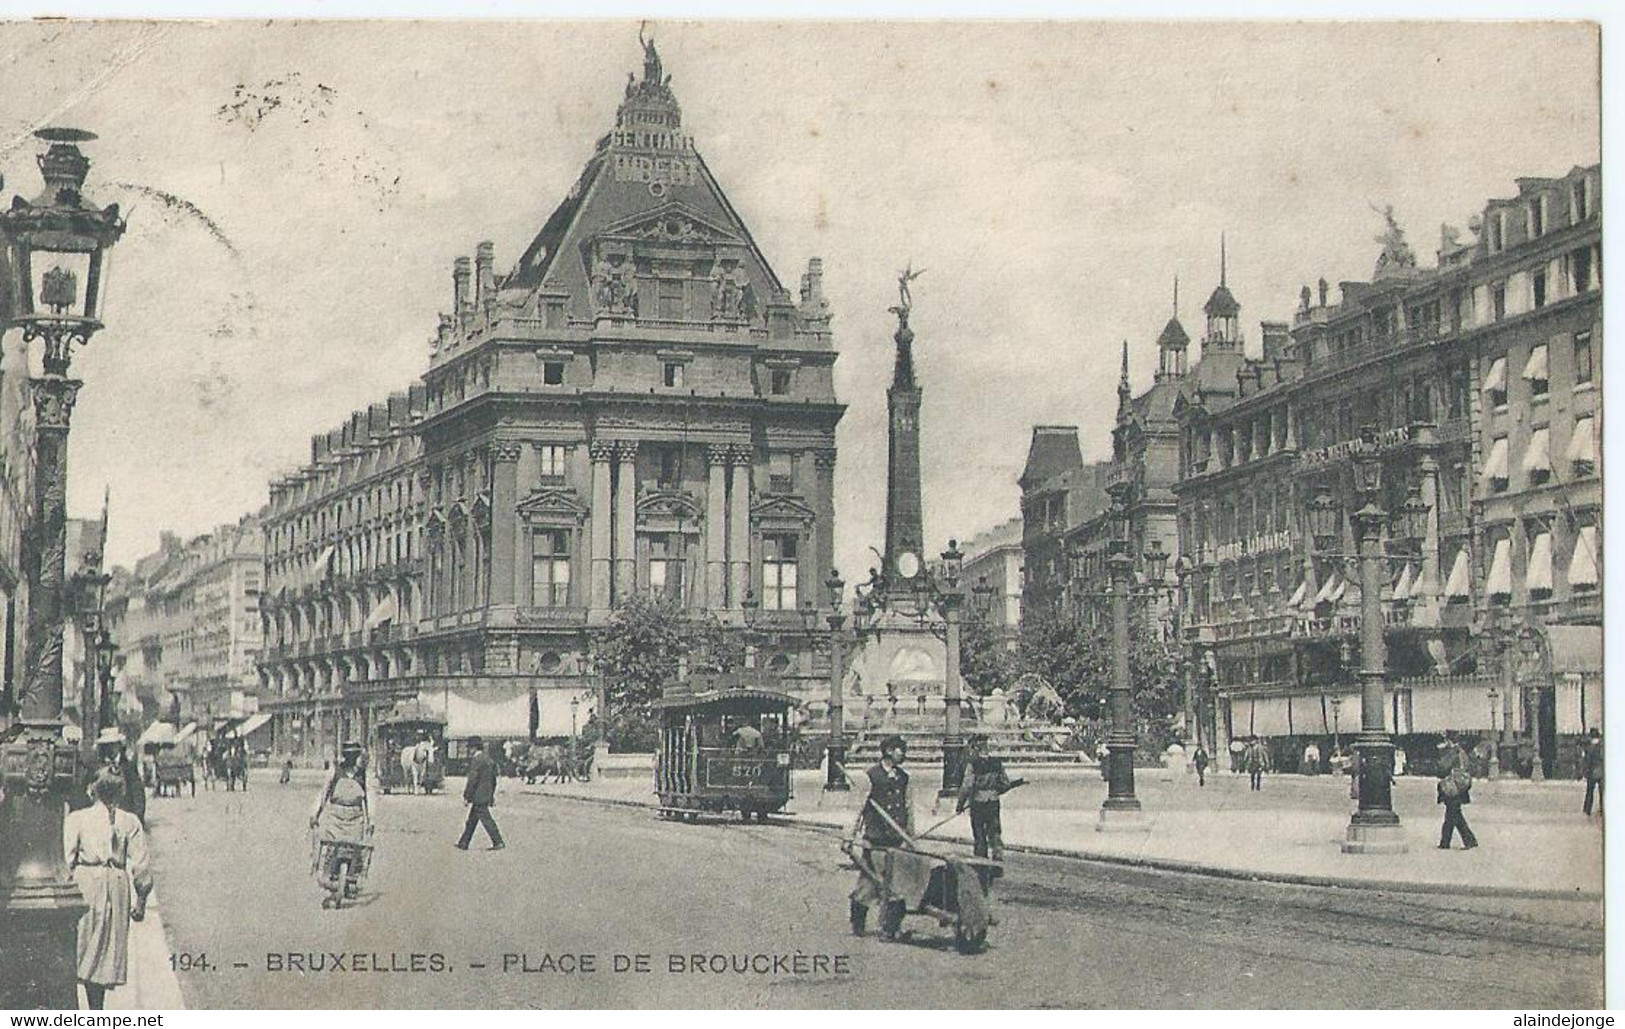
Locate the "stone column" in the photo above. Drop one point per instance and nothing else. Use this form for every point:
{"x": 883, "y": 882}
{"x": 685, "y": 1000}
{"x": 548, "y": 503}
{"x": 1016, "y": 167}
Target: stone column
{"x": 626, "y": 532}
{"x": 504, "y": 498}
{"x": 716, "y": 528}
{"x": 738, "y": 526}
{"x": 527, "y": 473}
{"x": 602, "y": 569}
{"x": 824, "y": 505}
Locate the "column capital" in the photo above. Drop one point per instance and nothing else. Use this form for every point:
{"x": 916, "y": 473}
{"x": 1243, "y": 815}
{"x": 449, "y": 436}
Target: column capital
{"x": 54, "y": 398}
{"x": 824, "y": 458}
{"x": 626, "y": 450}
{"x": 741, "y": 453}
{"x": 601, "y": 449}
{"x": 718, "y": 454}
{"x": 506, "y": 451}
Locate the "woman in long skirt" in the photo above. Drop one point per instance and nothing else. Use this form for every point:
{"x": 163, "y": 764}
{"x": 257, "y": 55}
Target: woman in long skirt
{"x": 343, "y": 814}
{"x": 106, "y": 851}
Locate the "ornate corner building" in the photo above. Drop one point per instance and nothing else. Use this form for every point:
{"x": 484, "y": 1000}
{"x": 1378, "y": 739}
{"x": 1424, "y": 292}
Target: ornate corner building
{"x": 638, "y": 406}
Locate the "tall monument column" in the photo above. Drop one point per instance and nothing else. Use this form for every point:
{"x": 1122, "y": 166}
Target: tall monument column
{"x": 905, "y": 533}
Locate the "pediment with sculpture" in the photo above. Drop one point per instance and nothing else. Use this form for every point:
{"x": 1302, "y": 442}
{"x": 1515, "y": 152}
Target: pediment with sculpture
{"x": 782, "y": 509}
{"x": 552, "y": 504}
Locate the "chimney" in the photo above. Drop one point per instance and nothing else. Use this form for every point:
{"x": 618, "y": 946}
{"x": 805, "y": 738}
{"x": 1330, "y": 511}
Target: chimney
{"x": 485, "y": 284}
{"x": 1276, "y": 339}
{"x": 459, "y": 282}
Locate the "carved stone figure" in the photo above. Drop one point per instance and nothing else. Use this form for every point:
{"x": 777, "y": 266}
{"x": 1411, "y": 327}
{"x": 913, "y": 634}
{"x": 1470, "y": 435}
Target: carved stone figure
{"x": 1396, "y": 253}
{"x": 614, "y": 291}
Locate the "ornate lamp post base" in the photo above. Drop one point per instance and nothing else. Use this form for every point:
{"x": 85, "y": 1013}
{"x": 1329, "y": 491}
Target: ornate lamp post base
{"x": 40, "y": 904}
{"x": 1120, "y": 812}
{"x": 1375, "y": 828}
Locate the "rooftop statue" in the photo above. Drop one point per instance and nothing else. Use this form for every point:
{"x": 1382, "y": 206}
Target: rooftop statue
{"x": 1396, "y": 253}
{"x": 905, "y": 300}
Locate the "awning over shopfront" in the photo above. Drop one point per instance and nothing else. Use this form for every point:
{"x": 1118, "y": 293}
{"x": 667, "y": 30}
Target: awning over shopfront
{"x": 1575, "y": 648}
{"x": 489, "y": 709}
{"x": 156, "y": 734}
{"x": 254, "y": 724}
{"x": 1455, "y": 705}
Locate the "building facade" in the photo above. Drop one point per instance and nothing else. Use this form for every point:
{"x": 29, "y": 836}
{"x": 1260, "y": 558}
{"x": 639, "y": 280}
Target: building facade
{"x": 993, "y": 565}
{"x": 1488, "y": 483}
{"x": 187, "y": 623}
{"x": 638, "y": 407}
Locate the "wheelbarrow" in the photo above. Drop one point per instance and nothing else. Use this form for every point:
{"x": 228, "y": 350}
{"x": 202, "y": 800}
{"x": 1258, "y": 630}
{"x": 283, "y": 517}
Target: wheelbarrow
{"x": 901, "y": 881}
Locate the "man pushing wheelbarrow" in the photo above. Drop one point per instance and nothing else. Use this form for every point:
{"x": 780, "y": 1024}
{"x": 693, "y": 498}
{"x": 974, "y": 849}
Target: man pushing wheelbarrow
{"x": 899, "y": 878}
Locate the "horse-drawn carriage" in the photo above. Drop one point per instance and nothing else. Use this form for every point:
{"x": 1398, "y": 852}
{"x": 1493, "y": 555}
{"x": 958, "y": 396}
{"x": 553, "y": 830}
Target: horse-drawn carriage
{"x": 172, "y": 769}
{"x": 225, "y": 759}
{"x": 412, "y": 750}
{"x": 557, "y": 760}
{"x": 724, "y": 749}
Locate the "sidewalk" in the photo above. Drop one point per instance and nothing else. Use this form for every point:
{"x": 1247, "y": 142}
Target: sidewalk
{"x": 1535, "y": 843}
{"x": 152, "y": 985}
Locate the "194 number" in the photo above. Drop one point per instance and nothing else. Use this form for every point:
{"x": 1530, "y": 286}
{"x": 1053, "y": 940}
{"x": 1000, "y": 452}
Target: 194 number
{"x": 198, "y": 962}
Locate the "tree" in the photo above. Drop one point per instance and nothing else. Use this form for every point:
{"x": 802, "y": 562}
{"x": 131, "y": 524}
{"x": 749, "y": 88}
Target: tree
{"x": 647, "y": 646}
{"x": 1074, "y": 654}
{"x": 986, "y": 661}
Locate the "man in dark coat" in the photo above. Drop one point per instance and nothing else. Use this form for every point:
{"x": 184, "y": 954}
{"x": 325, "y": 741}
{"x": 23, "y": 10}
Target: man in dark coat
{"x": 985, "y": 781}
{"x": 1591, "y": 768}
{"x": 480, "y": 792}
{"x": 1454, "y": 791}
{"x": 1201, "y": 761}
{"x": 885, "y": 820}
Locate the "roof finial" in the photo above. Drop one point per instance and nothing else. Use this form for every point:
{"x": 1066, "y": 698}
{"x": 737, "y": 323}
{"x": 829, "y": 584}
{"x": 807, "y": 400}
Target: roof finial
{"x": 1176, "y": 295}
{"x": 1124, "y": 379}
{"x": 1221, "y": 261}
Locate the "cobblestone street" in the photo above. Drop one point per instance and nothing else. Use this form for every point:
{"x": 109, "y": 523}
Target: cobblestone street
{"x": 579, "y": 878}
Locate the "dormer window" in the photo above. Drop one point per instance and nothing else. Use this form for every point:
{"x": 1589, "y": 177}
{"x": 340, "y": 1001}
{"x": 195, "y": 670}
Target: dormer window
{"x": 779, "y": 382}
{"x": 1582, "y": 199}
{"x": 672, "y": 374}
{"x": 1537, "y": 217}
{"x": 553, "y": 373}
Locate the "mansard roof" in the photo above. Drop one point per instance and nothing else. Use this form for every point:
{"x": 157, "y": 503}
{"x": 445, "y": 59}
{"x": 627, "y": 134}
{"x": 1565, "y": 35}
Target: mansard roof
{"x": 1054, "y": 450}
{"x": 646, "y": 179}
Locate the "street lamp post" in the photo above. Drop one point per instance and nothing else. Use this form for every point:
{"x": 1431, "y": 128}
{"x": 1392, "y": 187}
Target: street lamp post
{"x": 835, "y": 750}
{"x": 950, "y": 599}
{"x": 55, "y": 249}
{"x": 575, "y": 707}
{"x": 1374, "y": 827}
{"x": 1495, "y": 742}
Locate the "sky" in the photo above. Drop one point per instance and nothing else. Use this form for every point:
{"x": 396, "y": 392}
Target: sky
{"x": 286, "y": 264}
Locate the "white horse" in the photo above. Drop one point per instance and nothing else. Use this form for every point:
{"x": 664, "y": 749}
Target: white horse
{"x": 411, "y": 768}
